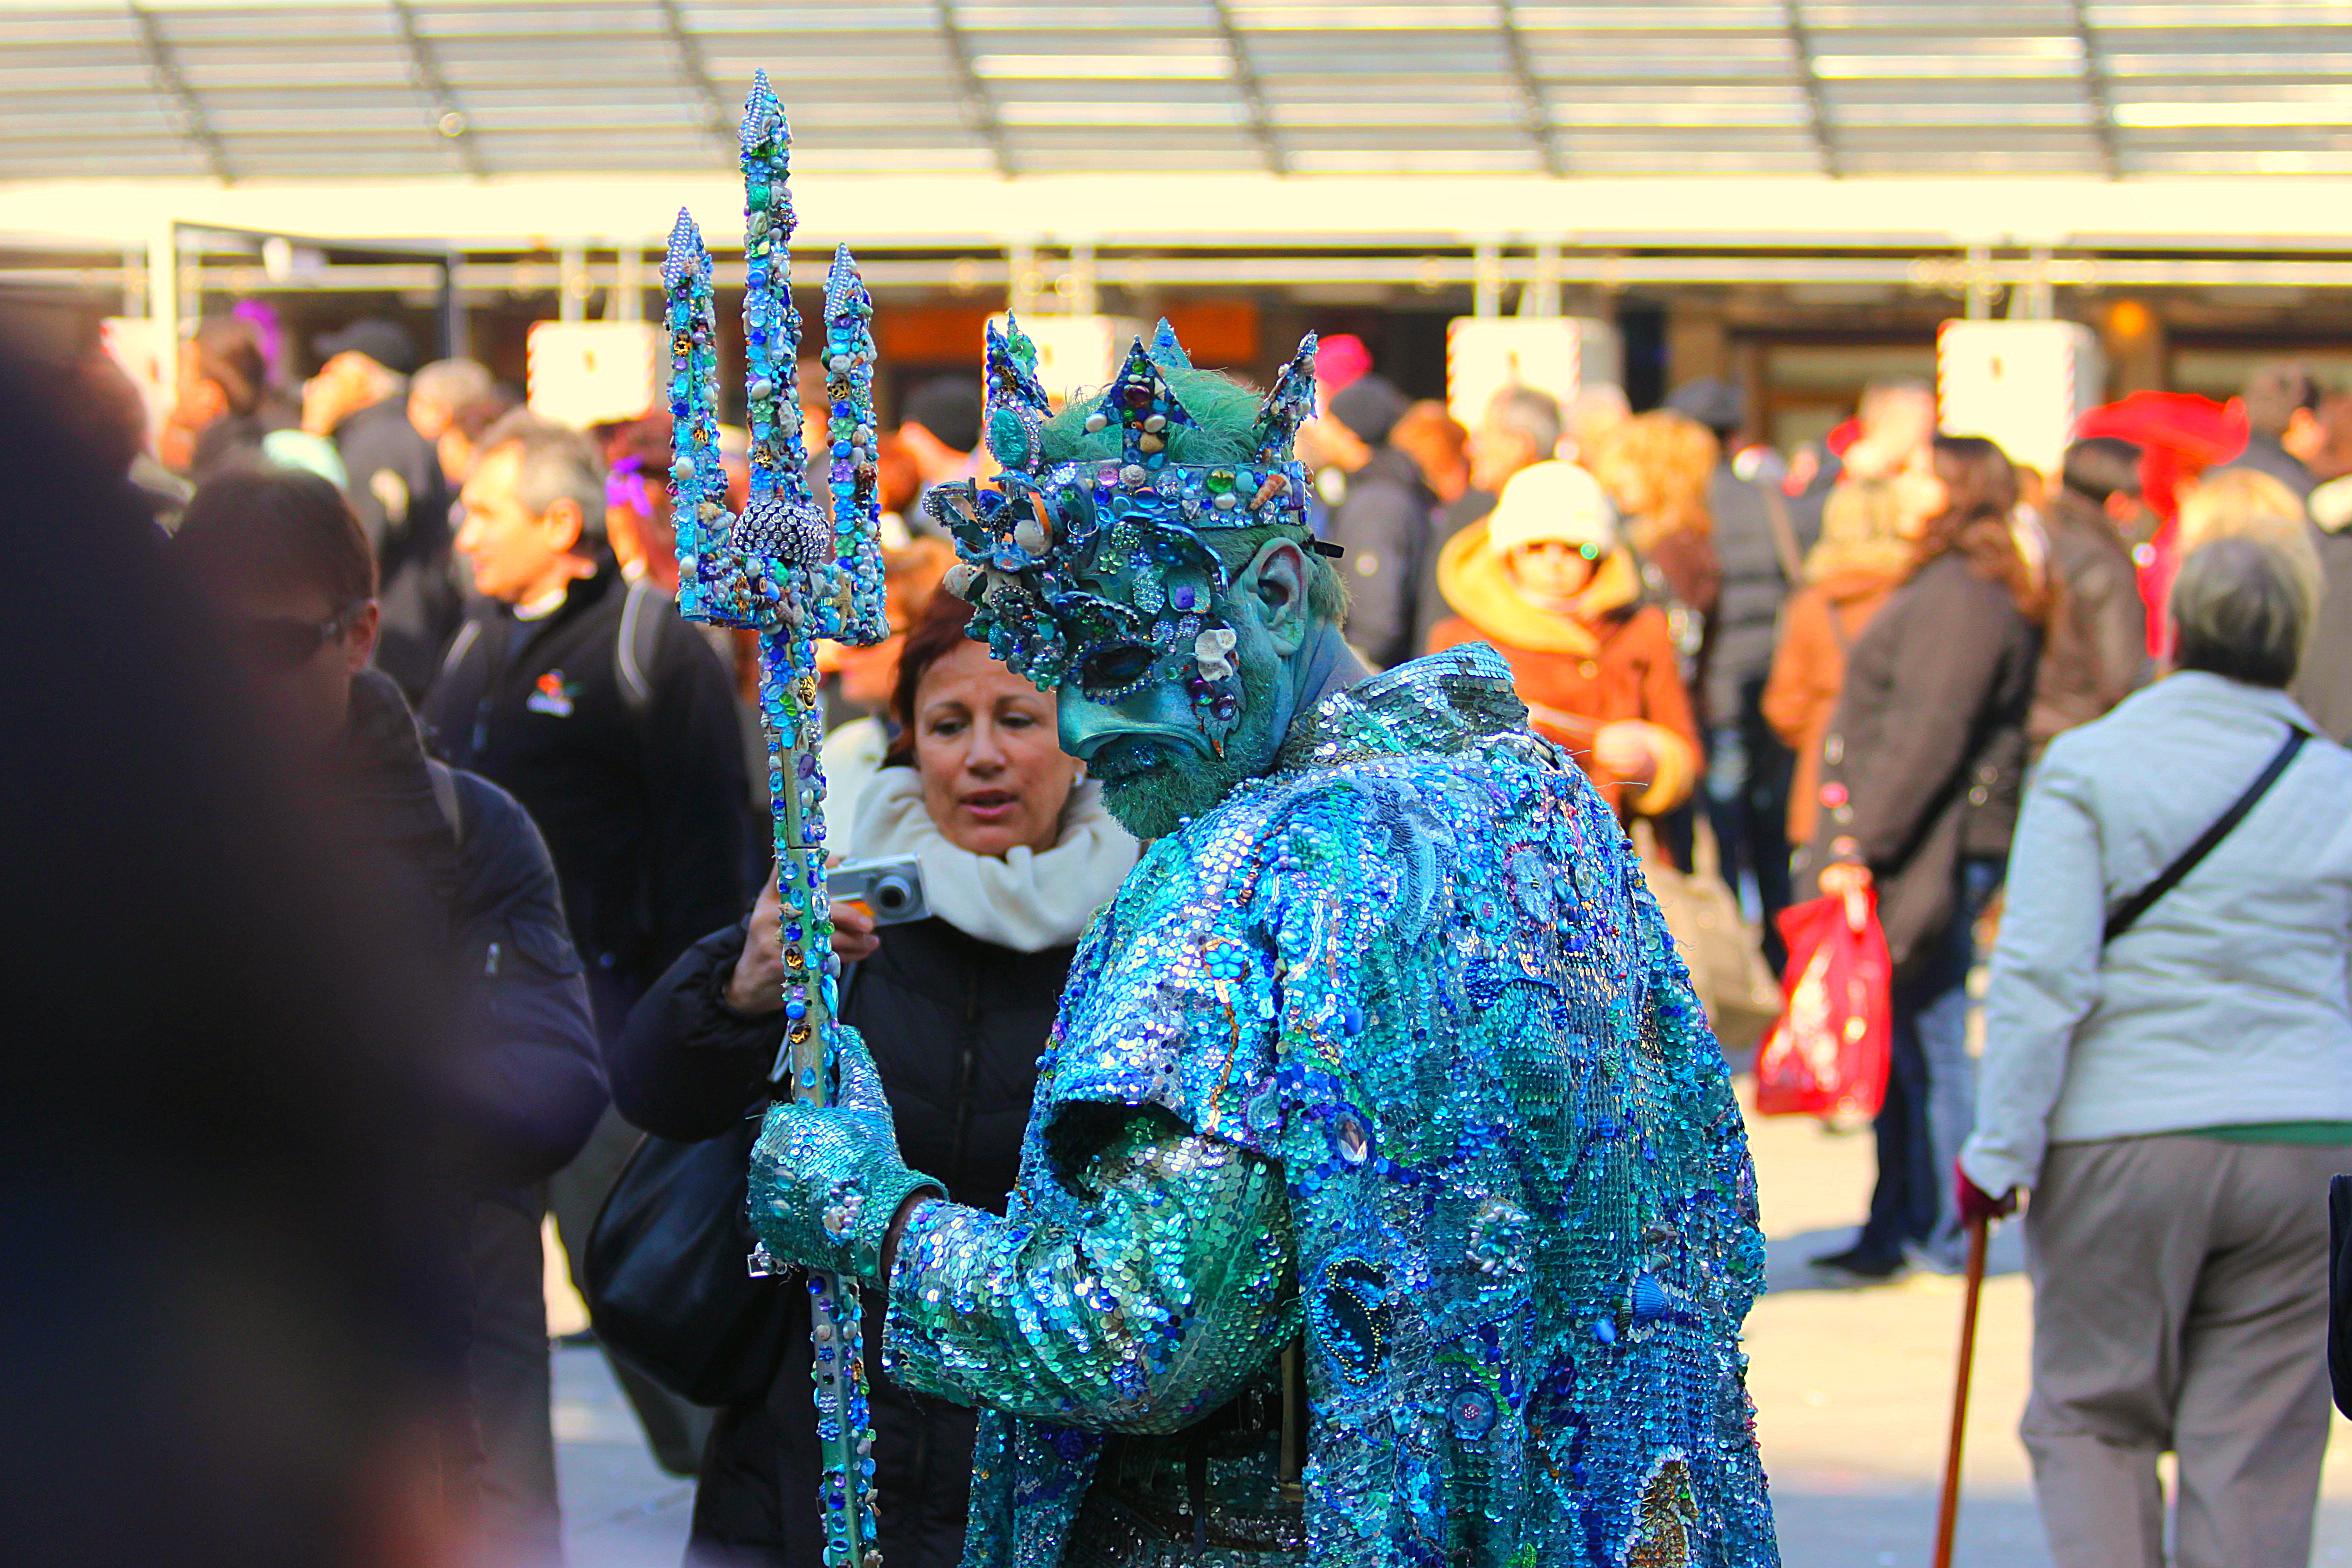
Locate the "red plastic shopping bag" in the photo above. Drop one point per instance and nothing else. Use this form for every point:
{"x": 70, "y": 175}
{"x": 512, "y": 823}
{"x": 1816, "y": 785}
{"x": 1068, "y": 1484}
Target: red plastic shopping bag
{"x": 1827, "y": 1053}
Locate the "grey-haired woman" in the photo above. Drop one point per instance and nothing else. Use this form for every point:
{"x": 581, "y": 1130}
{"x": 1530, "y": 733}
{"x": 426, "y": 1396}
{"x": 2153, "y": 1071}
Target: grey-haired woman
{"x": 2176, "y": 1097}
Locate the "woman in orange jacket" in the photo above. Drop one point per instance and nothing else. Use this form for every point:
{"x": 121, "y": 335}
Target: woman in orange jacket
{"x": 1547, "y": 580}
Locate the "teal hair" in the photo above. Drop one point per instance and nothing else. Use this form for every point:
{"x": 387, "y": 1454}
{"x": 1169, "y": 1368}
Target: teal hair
{"x": 1223, "y": 430}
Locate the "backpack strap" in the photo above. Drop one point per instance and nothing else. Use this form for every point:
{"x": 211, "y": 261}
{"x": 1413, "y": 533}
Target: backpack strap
{"x": 469, "y": 632}
{"x": 1837, "y": 629}
{"x": 445, "y": 795}
{"x": 634, "y": 650}
{"x": 2127, "y": 914}
{"x": 1784, "y": 536}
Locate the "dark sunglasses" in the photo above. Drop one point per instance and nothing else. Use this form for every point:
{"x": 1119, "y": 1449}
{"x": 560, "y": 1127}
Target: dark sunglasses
{"x": 285, "y": 642}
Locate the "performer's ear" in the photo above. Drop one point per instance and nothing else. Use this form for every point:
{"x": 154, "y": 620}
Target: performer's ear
{"x": 1277, "y": 579}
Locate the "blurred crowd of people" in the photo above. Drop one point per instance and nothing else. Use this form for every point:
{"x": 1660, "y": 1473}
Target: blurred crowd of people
{"x": 1833, "y": 670}
{"x": 1854, "y": 670}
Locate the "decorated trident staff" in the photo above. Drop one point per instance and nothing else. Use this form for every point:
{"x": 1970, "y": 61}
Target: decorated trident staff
{"x": 785, "y": 571}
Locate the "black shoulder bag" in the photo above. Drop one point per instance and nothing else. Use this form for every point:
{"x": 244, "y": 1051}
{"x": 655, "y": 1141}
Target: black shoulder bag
{"x": 2126, "y": 914}
{"x": 669, "y": 1286}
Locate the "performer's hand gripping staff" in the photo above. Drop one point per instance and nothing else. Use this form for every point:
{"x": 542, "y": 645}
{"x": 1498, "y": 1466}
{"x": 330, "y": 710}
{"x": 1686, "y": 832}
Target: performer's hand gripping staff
{"x": 785, "y": 571}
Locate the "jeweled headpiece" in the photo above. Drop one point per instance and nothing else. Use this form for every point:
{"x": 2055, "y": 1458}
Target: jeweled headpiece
{"x": 1039, "y": 544}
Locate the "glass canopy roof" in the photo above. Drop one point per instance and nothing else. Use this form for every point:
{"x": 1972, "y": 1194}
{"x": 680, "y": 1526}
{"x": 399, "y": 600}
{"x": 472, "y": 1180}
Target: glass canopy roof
{"x": 332, "y": 88}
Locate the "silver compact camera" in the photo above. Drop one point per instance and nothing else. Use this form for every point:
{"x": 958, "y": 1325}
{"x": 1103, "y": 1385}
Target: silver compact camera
{"x": 891, "y": 886}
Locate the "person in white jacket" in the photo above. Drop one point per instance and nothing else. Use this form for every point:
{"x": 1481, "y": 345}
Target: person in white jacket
{"x": 2176, "y": 1098}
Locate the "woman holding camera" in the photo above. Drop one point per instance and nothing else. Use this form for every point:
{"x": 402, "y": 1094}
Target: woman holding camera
{"x": 1015, "y": 855}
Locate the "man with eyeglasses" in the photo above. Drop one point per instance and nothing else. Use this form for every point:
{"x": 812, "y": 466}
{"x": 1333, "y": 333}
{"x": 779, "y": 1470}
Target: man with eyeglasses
{"x": 458, "y": 869}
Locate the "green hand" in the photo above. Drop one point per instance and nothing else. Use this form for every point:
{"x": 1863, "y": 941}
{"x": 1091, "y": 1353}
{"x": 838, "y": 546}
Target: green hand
{"x": 826, "y": 1182}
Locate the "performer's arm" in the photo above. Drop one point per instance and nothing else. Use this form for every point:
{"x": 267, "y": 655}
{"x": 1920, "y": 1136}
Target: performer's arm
{"x": 1155, "y": 1308}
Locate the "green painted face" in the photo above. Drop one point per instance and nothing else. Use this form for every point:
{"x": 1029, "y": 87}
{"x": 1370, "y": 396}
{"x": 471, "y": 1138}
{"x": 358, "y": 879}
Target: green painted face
{"x": 1157, "y": 764}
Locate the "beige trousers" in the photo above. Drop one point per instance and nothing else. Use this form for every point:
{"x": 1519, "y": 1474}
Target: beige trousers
{"x": 2180, "y": 1303}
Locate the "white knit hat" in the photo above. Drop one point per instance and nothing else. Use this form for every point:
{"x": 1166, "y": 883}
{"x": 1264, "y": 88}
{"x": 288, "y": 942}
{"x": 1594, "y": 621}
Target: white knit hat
{"x": 1551, "y": 501}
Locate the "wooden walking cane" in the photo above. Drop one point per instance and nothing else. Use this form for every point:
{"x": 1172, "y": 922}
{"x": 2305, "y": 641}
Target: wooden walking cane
{"x": 1948, "y": 1513}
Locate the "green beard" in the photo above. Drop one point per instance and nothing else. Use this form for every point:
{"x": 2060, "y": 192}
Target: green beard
{"x": 1155, "y": 803}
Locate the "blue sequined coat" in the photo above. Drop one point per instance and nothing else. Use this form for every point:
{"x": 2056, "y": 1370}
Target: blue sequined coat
{"x": 1417, "y": 970}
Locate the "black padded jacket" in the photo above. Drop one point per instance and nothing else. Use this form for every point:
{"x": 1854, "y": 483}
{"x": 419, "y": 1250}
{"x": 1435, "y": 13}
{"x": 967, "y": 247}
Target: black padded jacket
{"x": 956, "y": 1026}
{"x": 1929, "y": 745}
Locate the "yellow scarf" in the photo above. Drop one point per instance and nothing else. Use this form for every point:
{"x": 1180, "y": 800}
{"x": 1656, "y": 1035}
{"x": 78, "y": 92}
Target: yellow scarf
{"x": 1478, "y": 586}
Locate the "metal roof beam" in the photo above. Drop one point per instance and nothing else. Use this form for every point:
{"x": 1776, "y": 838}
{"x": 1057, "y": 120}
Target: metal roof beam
{"x": 1531, "y": 96}
{"x": 696, "y": 69}
{"x": 164, "y": 66}
{"x": 969, "y": 214}
{"x": 1937, "y": 272}
{"x": 1253, "y": 96}
{"x": 2095, "y": 91}
{"x": 449, "y": 121}
{"x": 1809, "y": 81}
{"x": 975, "y": 91}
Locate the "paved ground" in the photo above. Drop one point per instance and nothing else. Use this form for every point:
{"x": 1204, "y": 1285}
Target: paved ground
{"x": 1852, "y": 1391}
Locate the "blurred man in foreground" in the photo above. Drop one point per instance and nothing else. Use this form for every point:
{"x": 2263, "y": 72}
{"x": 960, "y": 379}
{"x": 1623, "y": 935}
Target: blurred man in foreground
{"x": 228, "y": 1337}
{"x": 282, "y": 560}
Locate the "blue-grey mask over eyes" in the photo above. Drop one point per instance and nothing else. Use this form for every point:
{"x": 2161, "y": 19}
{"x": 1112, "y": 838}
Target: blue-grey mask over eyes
{"x": 1101, "y": 572}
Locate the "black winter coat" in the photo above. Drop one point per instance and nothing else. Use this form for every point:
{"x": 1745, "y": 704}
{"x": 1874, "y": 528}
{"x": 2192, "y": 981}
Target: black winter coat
{"x": 1386, "y": 526}
{"x": 641, "y": 793}
{"x": 394, "y": 480}
{"x": 460, "y": 865}
{"x": 1746, "y": 623}
{"x": 469, "y": 898}
{"x": 1929, "y": 744}
{"x": 956, "y": 1026}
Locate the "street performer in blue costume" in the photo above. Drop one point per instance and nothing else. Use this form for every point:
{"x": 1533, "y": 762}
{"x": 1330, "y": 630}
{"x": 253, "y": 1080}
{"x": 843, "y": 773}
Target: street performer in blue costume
{"x": 1385, "y": 1200}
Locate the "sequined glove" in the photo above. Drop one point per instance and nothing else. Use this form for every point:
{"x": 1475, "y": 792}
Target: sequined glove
{"x": 826, "y": 1182}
